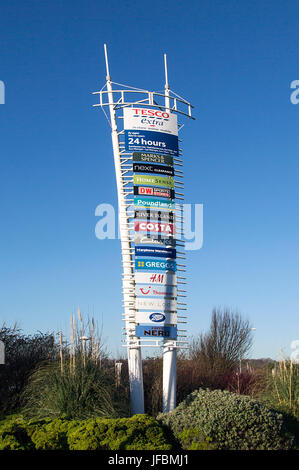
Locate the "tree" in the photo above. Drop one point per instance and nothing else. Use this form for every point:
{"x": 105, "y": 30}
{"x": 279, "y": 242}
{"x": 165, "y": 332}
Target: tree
{"x": 228, "y": 339}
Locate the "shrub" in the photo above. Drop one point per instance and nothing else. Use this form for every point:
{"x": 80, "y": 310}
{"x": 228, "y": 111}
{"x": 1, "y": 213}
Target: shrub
{"x": 231, "y": 421}
{"x": 141, "y": 432}
{"x": 282, "y": 390}
{"x": 22, "y": 355}
{"x": 80, "y": 392}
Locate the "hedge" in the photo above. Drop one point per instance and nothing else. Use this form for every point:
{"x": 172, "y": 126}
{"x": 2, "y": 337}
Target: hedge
{"x": 141, "y": 432}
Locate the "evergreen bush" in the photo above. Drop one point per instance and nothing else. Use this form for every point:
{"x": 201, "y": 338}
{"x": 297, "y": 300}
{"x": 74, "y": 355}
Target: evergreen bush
{"x": 230, "y": 421}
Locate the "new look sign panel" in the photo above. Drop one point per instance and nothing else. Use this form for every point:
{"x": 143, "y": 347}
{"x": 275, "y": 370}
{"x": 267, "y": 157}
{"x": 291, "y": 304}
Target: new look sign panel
{"x": 156, "y": 304}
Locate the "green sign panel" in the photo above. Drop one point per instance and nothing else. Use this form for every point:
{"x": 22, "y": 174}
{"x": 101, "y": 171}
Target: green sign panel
{"x": 154, "y": 180}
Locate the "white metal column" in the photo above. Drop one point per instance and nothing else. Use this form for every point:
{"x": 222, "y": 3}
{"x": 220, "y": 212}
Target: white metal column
{"x": 134, "y": 351}
{"x": 169, "y": 350}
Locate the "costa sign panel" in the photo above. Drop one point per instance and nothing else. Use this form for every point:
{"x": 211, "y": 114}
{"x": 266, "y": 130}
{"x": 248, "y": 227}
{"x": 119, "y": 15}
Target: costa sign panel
{"x": 156, "y": 318}
{"x": 157, "y": 227}
{"x": 149, "y": 290}
{"x": 153, "y": 215}
{"x": 159, "y": 252}
{"x": 160, "y": 240}
{"x": 167, "y": 182}
{"x": 147, "y": 119}
{"x": 158, "y": 169}
{"x": 161, "y": 279}
{"x": 152, "y": 158}
{"x": 150, "y": 331}
{"x": 152, "y": 191}
{"x": 161, "y": 265}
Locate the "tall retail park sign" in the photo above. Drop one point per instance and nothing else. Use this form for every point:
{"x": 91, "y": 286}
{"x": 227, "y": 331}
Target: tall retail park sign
{"x": 149, "y": 176}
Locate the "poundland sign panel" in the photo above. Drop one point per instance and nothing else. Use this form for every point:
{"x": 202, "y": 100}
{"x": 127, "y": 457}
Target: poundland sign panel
{"x": 153, "y": 203}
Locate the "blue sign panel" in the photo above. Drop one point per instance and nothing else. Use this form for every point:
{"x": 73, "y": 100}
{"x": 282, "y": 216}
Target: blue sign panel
{"x": 159, "y": 252}
{"x": 150, "y": 331}
{"x": 147, "y": 265}
{"x": 148, "y": 141}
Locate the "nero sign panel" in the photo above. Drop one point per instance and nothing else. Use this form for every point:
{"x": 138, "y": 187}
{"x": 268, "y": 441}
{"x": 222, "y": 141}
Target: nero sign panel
{"x": 159, "y": 279}
{"x": 158, "y": 252}
{"x": 151, "y": 191}
{"x": 146, "y": 264}
{"x": 152, "y": 158}
{"x": 152, "y": 290}
{"x": 155, "y": 227}
{"x": 154, "y": 120}
{"x": 156, "y": 318}
{"x": 167, "y": 182}
{"x": 149, "y": 331}
{"x": 146, "y": 239}
{"x": 158, "y": 169}
{"x": 153, "y": 142}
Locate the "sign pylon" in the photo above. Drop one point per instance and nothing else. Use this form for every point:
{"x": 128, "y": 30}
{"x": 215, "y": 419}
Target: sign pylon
{"x": 147, "y": 162}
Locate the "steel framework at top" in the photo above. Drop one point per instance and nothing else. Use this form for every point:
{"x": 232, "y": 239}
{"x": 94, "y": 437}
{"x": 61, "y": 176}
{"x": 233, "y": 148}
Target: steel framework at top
{"x": 130, "y": 96}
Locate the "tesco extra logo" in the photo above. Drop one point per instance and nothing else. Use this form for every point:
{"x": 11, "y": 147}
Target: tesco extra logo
{"x": 157, "y": 317}
{"x": 151, "y": 113}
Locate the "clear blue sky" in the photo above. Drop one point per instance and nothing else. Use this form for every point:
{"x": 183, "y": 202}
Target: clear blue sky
{"x": 235, "y": 61}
